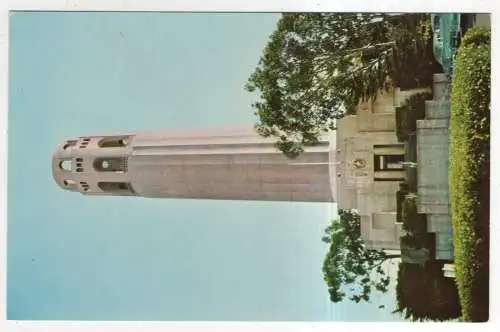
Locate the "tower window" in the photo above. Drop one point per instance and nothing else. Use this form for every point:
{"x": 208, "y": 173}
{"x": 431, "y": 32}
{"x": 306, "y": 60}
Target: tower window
{"x": 69, "y": 144}
{"x": 69, "y": 182}
{"x": 114, "y": 142}
{"x": 84, "y": 185}
{"x": 84, "y": 143}
{"x": 116, "y": 187}
{"x": 111, "y": 164}
{"x": 66, "y": 165}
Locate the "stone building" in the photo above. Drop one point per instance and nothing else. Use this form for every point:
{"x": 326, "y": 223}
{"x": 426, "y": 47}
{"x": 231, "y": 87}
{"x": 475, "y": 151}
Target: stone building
{"x": 358, "y": 166}
{"x": 368, "y": 166}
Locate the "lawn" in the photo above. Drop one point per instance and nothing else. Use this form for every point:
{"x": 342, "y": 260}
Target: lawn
{"x": 469, "y": 172}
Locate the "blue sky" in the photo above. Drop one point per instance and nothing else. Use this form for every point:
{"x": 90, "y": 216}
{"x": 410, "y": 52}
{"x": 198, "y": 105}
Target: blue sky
{"x": 72, "y": 257}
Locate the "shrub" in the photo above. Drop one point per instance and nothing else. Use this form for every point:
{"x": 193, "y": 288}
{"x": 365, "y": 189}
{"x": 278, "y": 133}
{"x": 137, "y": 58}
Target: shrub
{"x": 476, "y": 36}
{"x": 408, "y": 114}
{"x": 409, "y": 210}
{"x": 400, "y": 196}
{"x": 409, "y": 241}
{"x": 411, "y": 219}
{"x": 423, "y": 293}
{"x": 469, "y": 172}
{"x": 404, "y": 187}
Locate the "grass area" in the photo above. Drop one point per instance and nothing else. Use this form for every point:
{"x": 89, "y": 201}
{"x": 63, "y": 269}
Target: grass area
{"x": 469, "y": 172}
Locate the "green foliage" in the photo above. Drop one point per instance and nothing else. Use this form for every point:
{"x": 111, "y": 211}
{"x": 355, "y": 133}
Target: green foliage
{"x": 412, "y": 221}
{"x": 407, "y": 115}
{"x": 348, "y": 263}
{"x": 317, "y": 67}
{"x": 469, "y": 172}
{"x": 409, "y": 208}
{"x": 476, "y": 36}
{"x": 414, "y": 224}
{"x": 409, "y": 212}
{"x": 409, "y": 241}
{"x": 423, "y": 293}
{"x": 400, "y": 197}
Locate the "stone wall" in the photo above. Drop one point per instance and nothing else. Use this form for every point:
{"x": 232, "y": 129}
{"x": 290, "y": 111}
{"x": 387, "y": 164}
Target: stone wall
{"x": 432, "y": 165}
{"x": 357, "y": 138}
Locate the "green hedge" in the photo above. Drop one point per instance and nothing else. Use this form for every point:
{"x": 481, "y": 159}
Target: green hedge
{"x": 408, "y": 114}
{"x": 469, "y": 172}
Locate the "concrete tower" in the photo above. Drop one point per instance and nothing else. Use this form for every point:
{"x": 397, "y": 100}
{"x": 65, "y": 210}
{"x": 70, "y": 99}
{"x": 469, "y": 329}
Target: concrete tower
{"x": 226, "y": 164}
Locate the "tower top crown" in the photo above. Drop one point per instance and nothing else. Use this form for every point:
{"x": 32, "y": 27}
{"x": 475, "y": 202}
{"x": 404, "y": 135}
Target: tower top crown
{"x": 92, "y": 164}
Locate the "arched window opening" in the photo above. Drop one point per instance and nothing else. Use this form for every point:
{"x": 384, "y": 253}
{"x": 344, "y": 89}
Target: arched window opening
{"x": 84, "y": 143}
{"x": 69, "y": 144}
{"x": 84, "y": 185}
{"x": 111, "y": 164}
{"x": 69, "y": 183}
{"x": 114, "y": 142}
{"x": 66, "y": 165}
{"x": 116, "y": 187}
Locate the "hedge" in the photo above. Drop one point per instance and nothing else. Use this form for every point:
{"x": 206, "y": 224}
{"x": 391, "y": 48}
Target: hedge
{"x": 469, "y": 173}
{"x": 408, "y": 114}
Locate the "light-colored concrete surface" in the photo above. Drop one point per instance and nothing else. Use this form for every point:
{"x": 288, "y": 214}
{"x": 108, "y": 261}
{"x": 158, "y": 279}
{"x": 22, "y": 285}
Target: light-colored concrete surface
{"x": 432, "y": 162}
{"x": 232, "y": 164}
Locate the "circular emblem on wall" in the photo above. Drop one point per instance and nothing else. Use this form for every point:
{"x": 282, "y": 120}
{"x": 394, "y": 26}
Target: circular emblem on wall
{"x": 358, "y": 163}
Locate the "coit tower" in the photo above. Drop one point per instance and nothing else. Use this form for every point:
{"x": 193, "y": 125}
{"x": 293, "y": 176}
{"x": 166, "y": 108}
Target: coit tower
{"x": 229, "y": 164}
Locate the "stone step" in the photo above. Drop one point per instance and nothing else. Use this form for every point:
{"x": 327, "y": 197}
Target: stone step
{"x": 437, "y": 109}
{"x": 444, "y": 240}
{"x": 444, "y": 255}
{"x": 433, "y": 208}
{"x": 439, "y": 223}
{"x": 433, "y": 124}
{"x": 441, "y": 87}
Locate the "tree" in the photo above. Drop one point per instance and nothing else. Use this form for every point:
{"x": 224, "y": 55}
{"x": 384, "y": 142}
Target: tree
{"x": 317, "y": 67}
{"x": 348, "y": 263}
{"x": 424, "y": 293}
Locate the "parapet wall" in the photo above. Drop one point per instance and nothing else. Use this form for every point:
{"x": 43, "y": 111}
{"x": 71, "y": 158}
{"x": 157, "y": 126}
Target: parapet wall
{"x": 432, "y": 165}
